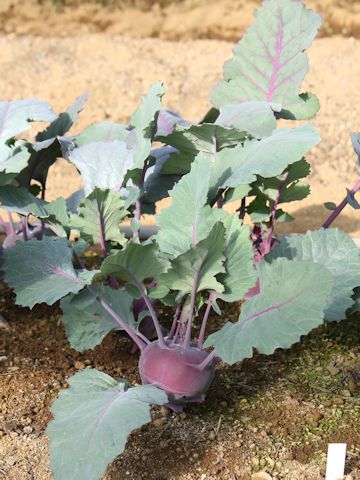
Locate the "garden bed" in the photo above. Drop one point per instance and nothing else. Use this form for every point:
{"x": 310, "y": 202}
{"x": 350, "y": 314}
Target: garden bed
{"x": 273, "y": 413}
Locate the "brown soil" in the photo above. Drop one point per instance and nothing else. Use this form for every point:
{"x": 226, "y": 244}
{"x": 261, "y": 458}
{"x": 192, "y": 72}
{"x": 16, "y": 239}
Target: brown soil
{"x": 115, "y": 71}
{"x": 166, "y": 19}
{"x": 275, "y": 414}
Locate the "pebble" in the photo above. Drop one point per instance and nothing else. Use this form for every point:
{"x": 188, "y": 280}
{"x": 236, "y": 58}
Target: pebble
{"x": 211, "y": 436}
{"x": 27, "y": 429}
{"x": 159, "y": 422}
{"x": 337, "y": 401}
{"x": 79, "y": 365}
{"x": 261, "y": 476}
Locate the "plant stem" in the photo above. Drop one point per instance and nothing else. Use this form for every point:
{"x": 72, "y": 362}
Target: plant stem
{"x": 186, "y": 343}
{"x": 24, "y": 228}
{"x": 207, "y": 360}
{"x": 11, "y": 224}
{"x": 242, "y": 209}
{"x": 137, "y": 215}
{"x": 175, "y": 322}
{"x": 212, "y": 297}
{"x": 150, "y": 307}
{"x": 272, "y": 216}
{"x": 123, "y": 324}
{"x": 341, "y": 206}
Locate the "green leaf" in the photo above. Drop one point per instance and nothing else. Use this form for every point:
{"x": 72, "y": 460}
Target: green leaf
{"x": 330, "y": 206}
{"x": 134, "y": 263}
{"x": 99, "y": 217}
{"x": 268, "y": 157}
{"x": 240, "y": 274}
{"x": 87, "y": 323}
{"x": 303, "y": 107}
{"x": 144, "y": 121}
{"x": 338, "y": 253}
{"x": 189, "y": 141}
{"x": 92, "y": 420}
{"x": 269, "y": 62}
{"x": 103, "y": 164}
{"x": 102, "y": 132}
{"x": 42, "y": 271}
{"x": 188, "y": 219}
{"x": 255, "y": 118}
{"x": 15, "y": 116}
{"x": 290, "y": 304}
{"x": 144, "y": 118}
{"x": 13, "y": 159}
{"x": 199, "y": 265}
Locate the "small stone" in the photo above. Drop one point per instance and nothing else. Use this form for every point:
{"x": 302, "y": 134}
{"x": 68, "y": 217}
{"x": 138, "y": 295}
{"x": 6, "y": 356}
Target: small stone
{"x": 255, "y": 461}
{"x": 79, "y": 365}
{"x": 195, "y": 456}
{"x": 165, "y": 412}
{"x": 348, "y": 477}
{"x": 163, "y": 444}
{"x": 11, "y": 461}
{"x": 337, "y": 401}
{"x": 261, "y": 476}
{"x": 211, "y": 436}
{"x": 27, "y": 429}
{"x": 224, "y": 403}
{"x": 159, "y": 422}
{"x": 3, "y": 358}
{"x": 345, "y": 393}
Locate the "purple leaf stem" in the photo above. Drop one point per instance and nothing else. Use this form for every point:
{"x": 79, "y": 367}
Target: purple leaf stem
{"x": 124, "y": 325}
{"x": 341, "y": 206}
{"x": 175, "y": 321}
{"x": 212, "y": 297}
{"x": 186, "y": 342}
{"x": 268, "y": 239}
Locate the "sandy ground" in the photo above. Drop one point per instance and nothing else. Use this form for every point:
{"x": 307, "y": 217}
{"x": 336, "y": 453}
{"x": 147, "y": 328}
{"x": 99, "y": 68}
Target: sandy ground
{"x": 166, "y": 19}
{"x": 115, "y": 71}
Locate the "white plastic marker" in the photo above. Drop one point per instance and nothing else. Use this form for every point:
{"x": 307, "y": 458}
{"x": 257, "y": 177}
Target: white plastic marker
{"x": 335, "y": 468}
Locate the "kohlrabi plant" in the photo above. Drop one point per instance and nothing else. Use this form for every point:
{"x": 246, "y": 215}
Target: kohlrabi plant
{"x": 228, "y": 178}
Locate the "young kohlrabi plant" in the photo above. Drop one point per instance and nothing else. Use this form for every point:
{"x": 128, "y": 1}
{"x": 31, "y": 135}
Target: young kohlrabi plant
{"x": 201, "y": 254}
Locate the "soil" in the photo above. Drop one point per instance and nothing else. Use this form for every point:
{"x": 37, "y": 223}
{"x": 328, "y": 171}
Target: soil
{"x": 115, "y": 71}
{"x": 274, "y": 414}
{"x": 166, "y": 19}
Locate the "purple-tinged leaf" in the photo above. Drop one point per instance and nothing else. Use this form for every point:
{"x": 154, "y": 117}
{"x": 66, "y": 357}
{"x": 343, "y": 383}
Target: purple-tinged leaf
{"x": 92, "y": 420}
{"x": 290, "y": 304}
{"x": 166, "y": 122}
{"x": 269, "y": 62}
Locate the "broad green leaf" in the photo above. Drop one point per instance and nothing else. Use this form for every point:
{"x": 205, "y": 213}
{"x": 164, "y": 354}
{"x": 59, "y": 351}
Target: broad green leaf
{"x": 134, "y": 263}
{"x": 99, "y": 217}
{"x": 269, "y": 62}
{"x": 268, "y": 157}
{"x": 63, "y": 122}
{"x": 145, "y": 116}
{"x": 166, "y": 122}
{"x": 15, "y": 116}
{"x": 92, "y": 420}
{"x": 157, "y": 185}
{"x": 188, "y": 219}
{"x": 87, "y": 323}
{"x": 198, "y": 266}
{"x": 102, "y": 164}
{"x": 13, "y": 159}
{"x": 42, "y": 271}
{"x": 290, "y": 304}
{"x": 206, "y": 138}
{"x": 255, "y": 118}
{"x": 303, "y": 107}
{"x": 144, "y": 120}
{"x": 102, "y": 132}
{"x": 337, "y": 252}
{"x": 240, "y": 273}
{"x": 47, "y": 148}
{"x": 19, "y": 200}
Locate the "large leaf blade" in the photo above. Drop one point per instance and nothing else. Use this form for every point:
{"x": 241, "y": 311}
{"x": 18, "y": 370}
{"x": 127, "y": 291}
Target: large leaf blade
{"x": 87, "y": 323}
{"x": 92, "y": 420}
{"x": 269, "y": 62}
{"x": 336, "y": 251}
{"x": 42, "y": 271}
{"x": 290, "y": 304}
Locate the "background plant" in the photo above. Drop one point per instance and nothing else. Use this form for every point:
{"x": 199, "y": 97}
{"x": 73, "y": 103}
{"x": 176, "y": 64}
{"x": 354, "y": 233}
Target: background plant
{"x": 201, "y": 253}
